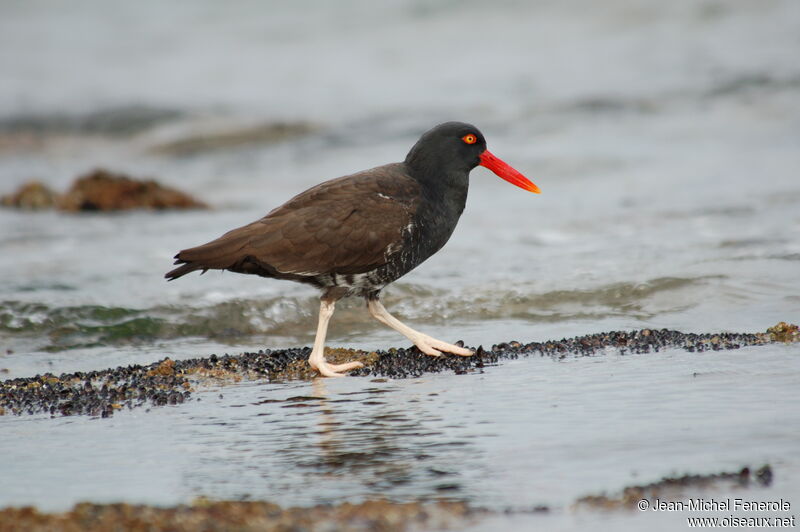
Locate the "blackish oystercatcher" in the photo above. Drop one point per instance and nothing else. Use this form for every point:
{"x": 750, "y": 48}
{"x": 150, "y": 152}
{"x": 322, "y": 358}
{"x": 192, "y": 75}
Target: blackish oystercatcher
{"x": 353, "y": 235}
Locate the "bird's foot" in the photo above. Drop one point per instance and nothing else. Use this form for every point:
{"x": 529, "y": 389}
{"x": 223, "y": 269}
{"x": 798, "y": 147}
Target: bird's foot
{"x": 427, "y": 344}
{"x": 334, "y": 370}
{"x": 433, "y": 347}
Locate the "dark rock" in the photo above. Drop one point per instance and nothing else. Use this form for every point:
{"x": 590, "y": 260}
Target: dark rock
{"x": 102, "y": 190}
{"x": 172, "y": 381}
{"x": 32, "y": 195}
{"x": 675, "y": 488}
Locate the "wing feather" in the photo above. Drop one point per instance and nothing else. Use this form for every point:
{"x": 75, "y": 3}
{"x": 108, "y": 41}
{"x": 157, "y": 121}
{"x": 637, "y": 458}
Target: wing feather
{"x": 347, "y": 225}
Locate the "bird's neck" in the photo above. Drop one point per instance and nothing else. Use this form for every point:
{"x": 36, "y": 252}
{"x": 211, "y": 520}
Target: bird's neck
{"x": 447, "y": 188}
{"x": 443, "y": 200}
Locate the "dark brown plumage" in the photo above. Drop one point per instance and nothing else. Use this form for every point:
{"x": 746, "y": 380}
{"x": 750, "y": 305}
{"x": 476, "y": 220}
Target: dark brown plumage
{"x": 355, "y": 234}
{"x": 345, "y": 226}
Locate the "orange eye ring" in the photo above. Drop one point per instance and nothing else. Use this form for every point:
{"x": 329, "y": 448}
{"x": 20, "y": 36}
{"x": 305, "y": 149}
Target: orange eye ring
{"x": 469, "y": 138}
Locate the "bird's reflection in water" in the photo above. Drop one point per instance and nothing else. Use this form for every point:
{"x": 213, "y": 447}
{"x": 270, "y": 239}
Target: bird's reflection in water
{"x": 301, "y": 443}
{"x": 369, "y": 442}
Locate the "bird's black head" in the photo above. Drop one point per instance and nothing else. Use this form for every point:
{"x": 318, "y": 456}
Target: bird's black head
{"x": 447, "y": 153}
{"x": 448, "y": 147}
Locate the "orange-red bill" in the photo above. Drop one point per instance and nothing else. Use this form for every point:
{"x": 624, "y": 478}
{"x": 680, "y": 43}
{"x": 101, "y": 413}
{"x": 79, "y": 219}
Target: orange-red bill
{"x": 505, "y": 171}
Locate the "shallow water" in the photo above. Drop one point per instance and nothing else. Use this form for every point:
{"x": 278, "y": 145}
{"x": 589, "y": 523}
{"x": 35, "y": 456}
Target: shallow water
{"x": 664, "y": 137}
{"x": 526, "y": 433}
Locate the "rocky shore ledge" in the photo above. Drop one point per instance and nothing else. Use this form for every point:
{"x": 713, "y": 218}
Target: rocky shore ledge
{"x": 102, "y": 392}
{"x": 373, "y": 515}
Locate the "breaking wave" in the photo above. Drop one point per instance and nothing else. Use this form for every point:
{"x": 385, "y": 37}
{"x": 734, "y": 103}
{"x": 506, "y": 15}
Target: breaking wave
{"x": 239, "y": 320}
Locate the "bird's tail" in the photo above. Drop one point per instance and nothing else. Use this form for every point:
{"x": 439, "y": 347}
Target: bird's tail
{"x": 183, "y": 270}
{"x": 220, "y": 254}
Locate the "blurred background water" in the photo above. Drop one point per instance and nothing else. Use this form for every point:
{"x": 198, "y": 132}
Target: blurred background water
{"x": 665, "y": 137}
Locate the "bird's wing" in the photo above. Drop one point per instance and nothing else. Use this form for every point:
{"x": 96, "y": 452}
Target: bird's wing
{"x": 347, "y": 225}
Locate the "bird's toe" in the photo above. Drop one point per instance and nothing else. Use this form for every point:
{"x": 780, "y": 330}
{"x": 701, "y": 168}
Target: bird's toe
{"x": 334, "y": 370}
{"x": 428, "y": 349}
{"x": 450, "y": 348}
{"x": 460, "y": 351}
{"x": 347, "y": 366}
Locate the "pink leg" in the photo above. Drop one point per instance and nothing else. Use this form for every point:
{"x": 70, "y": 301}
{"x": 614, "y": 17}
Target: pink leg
{"x": 426, "y": 344}
{"x": 317, "y": 358}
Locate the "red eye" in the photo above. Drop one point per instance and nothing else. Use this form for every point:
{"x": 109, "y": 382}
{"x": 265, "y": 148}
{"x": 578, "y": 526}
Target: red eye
{"x": 470, "y": 138}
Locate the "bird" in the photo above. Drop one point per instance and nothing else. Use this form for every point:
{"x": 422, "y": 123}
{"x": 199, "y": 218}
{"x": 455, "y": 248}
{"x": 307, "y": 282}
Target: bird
{"x": 354, "y": 235}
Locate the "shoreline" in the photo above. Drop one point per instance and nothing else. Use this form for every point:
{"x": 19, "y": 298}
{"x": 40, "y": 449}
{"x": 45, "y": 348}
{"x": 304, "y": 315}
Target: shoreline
{"x": 376, "y": 514}
{"x": 170, "y": 382}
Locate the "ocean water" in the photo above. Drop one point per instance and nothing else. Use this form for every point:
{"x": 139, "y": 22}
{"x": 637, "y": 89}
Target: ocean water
{"x": 665, "y": 137}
